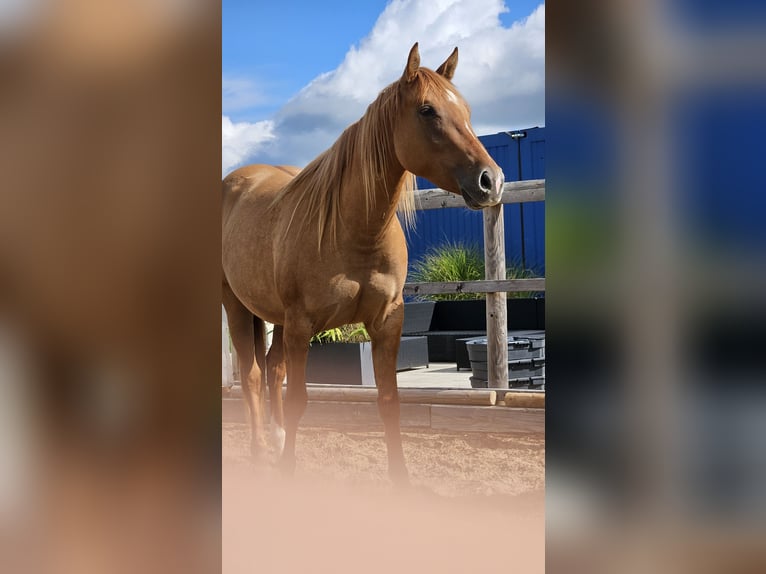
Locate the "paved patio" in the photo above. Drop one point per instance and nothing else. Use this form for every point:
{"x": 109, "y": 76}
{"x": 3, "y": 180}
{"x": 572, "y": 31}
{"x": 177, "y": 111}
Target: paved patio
{"x": 437, "y": 375}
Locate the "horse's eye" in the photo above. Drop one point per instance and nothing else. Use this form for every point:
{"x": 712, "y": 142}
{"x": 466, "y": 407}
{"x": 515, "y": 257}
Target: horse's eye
{"x": 427, "y": 111}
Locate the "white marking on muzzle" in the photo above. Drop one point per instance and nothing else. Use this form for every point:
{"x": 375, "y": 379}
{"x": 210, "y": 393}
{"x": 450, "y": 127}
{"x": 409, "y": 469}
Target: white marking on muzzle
{"x": 499, "y": 181}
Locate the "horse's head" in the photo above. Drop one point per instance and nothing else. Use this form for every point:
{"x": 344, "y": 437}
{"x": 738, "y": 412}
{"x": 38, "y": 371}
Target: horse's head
{"x": 434, "y": 139}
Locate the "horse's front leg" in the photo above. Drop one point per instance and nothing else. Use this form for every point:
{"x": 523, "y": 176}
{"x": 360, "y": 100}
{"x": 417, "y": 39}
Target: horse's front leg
{"x": 295, "y": 337}
{"x": 385, "y": 348}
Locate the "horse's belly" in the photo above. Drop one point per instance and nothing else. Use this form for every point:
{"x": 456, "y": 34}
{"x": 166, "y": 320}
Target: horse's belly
{"x": 266, "y": 307}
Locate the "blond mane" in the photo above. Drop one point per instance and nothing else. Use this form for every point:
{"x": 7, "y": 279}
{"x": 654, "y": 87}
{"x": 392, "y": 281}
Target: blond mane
{"x": 316, "y": 189}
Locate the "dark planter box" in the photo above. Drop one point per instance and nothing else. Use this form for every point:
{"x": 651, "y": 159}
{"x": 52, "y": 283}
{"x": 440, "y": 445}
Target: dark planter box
{"x": 540, "y": 313}
{"x": 417, "y": 317}
{"x": 442, "y": 345}
{"x": 524, "y": 314}
{"x": 471, "y": 315}
{"x": 351, "y": 363}
{"x": 340, "y": 364}
{"x": 456, "y": 320}
{"x": 413, "y": 353}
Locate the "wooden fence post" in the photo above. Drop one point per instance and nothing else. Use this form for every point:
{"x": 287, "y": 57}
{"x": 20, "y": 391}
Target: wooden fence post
{"x": 497, "y": 309}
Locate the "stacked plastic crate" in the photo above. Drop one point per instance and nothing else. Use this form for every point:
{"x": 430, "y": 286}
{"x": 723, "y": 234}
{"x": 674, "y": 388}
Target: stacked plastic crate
{"x": 526, "y": 360}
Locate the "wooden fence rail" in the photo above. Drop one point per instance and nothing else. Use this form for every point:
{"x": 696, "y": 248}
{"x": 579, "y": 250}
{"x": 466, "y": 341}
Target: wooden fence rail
{"x": 513, "y": 192}
{"x": 484, "y": 286}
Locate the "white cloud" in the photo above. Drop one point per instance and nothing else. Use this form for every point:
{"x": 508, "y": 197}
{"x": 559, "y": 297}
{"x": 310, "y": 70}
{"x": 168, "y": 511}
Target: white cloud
{"x": 501, "y": 73}
{"x": 242, "y": 139}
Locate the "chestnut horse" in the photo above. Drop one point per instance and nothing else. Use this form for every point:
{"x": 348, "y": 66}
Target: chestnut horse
{"x": 321, "y": 247}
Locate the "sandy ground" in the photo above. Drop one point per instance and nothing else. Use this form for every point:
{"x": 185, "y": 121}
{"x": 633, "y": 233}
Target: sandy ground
{"x": 476, "y": 505}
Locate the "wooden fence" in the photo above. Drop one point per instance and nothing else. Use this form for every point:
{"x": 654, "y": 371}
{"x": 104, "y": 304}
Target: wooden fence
{"x": 495, "y": 285}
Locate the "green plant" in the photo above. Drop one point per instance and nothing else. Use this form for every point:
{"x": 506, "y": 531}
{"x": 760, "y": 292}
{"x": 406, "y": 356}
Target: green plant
{"x": 455, "y": 261}
{"x": 351, "y": 333}
{"x": 450, "y": 261}
{"x": 517, "y": 272}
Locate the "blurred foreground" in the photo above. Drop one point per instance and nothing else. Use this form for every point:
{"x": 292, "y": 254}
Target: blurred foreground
{"x": 109, "y": 287}
{"x": 476, "y": 505}
{"x": 656, "y": 407}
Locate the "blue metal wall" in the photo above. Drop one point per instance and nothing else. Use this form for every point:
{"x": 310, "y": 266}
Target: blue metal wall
{"x": 519, "y": 158}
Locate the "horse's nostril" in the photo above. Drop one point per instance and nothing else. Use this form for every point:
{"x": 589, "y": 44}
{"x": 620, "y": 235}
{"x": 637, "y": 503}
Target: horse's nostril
{"x": 485, "y": 181}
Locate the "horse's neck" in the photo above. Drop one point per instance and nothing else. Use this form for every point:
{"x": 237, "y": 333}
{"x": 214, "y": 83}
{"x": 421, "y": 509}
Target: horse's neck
{"x": 363, "y": 220}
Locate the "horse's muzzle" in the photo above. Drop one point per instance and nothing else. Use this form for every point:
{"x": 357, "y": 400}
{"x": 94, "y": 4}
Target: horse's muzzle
{"x": 486, "y": 191}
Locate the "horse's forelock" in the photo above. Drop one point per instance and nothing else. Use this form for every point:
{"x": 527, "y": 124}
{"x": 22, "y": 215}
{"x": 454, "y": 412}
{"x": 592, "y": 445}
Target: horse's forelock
{"x": 430, "y": 86}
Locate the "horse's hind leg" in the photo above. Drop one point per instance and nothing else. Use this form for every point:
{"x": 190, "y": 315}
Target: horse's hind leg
{"x": 250, "y": 345}
{"x": 275, "y": 369}
{"x": 385, "y": 347}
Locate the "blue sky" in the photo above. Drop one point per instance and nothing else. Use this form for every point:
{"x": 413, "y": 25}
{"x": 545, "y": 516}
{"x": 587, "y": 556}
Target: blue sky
{"x": 296, "y": 73}
{"x": 281, "y": 46}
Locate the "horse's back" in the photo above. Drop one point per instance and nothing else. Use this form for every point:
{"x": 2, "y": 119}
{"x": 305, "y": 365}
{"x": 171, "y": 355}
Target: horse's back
{"x": 260, "y": 170}
{"x": 255, "y": 181}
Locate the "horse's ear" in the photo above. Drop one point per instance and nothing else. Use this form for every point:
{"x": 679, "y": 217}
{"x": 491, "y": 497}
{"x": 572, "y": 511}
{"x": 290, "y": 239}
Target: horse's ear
{"x": 413, "y": 63}
{"x": 447, "y": 69}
